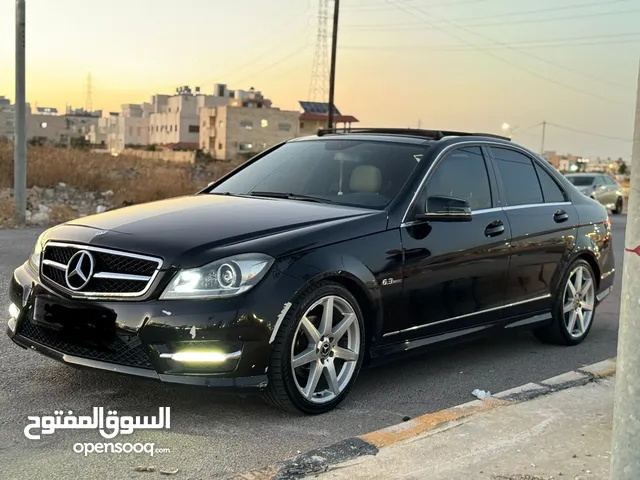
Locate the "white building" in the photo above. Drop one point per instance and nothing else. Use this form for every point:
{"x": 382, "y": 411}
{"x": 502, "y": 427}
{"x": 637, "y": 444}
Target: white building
{"x": 120, "y": 130}
{"x": 7, "y": 116}
{"x": 176, "y": 118}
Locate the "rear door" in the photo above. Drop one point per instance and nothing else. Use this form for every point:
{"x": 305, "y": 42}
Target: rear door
{"x": 543, "y": 227}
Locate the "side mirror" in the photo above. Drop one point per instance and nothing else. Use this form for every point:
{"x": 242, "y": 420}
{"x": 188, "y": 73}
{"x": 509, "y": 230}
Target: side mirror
{"x": 440, "y": 208}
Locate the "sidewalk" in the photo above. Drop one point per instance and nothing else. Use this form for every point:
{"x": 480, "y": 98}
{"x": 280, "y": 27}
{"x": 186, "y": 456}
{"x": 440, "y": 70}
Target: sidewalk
{"x": 561, "y": 435}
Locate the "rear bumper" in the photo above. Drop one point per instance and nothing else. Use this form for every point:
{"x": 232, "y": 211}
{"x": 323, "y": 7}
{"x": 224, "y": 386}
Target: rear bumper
{"x": 146, "y": 335}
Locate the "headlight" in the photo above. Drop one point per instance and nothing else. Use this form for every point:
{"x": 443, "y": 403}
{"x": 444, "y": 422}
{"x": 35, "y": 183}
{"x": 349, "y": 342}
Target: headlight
{"x": 36, "y": 256}
{"x": 223, "y": 278}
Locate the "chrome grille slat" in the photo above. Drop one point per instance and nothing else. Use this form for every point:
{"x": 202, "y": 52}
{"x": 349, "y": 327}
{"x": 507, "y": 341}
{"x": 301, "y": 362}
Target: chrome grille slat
{"x": 116, "y": 273}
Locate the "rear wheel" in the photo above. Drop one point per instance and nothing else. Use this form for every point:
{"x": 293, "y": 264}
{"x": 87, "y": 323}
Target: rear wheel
{"x": 573, "y": 307}
{"x": 619, "y": 206}
{"x": 318, "y": 351}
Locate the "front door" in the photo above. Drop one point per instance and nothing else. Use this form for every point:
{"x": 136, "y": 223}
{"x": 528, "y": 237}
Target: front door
{"x": 455, "y": 272}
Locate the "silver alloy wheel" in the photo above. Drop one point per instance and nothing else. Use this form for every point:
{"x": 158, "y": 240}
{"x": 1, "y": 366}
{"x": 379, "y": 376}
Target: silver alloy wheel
{"x": 579, "y": 301}
{"x": 325, "y": 349}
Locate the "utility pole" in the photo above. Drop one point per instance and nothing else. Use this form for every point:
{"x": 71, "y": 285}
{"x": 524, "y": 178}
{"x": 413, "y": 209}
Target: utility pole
{"x": 332, "y": 75}
{"x": 20, "y": 134}
{"x": 544, "y": 131}
{"x": 625, "y": 450}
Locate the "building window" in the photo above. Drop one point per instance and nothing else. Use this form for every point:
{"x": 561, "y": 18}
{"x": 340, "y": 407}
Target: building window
{"x": 221, "y": 124}
{"x": 301, "y": 124}
{"x": 245, "y": 147}
{"x": 219, "y": 146}
{"x": 170, "y": 128}
{"x": 248, "y": 124}
{"x": 176, "y": 128}
{"x": 284, "y": 127}
{"x": 194, "y": 129}
{"x": 264, "y": 123}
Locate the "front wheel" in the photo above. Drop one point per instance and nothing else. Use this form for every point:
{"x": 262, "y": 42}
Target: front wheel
{"x": 318, "y": 351}
{"x": 619, "y": 206}
{"x": 573, "y": 307}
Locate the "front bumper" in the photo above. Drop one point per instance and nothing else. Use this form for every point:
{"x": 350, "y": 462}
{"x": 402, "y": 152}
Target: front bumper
{"x": 142, "y": 338}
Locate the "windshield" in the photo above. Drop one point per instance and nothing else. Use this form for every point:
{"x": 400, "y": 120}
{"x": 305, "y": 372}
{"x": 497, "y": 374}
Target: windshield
{"x": 582, "y": 181}
{"x": 348, "y": 172}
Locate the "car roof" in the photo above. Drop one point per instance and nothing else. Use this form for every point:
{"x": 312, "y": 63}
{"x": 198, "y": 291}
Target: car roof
{"x": 404, "y": 135}
{"x": 586, "y": 174}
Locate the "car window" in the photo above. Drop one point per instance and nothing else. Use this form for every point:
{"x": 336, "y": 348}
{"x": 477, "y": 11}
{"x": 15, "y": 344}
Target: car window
{"x": 610, "y": 181}
{"x": 461, "y": 174}
{"x": 599, "y": 181}
{"x": 519, "y": 179}
{"x": 348, "y": 172}
{"x": 551, "y": 191}
{"x": 580, "y": 180}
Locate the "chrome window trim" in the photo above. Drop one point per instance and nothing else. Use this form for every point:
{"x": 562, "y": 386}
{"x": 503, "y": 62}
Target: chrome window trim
{"x": 100, "y": 295}
{"x": 479, "y": 143}
{"x": 496, "y": 209}
{"x": 493, "y": 309}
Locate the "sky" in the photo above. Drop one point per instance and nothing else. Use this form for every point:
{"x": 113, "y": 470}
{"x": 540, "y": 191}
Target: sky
{"x": 468, "y": 65}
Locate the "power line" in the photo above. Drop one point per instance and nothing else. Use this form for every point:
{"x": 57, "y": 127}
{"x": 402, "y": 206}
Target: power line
{"x": 515, "y": 65}
{"x": 259, "y": 57}
{"x": 417, "y": 25}
{"x": 584, "y": 132}
{"x": 277, "y": 62}
{"x": 378, "y": 6}
{"x": 558, "y": 42}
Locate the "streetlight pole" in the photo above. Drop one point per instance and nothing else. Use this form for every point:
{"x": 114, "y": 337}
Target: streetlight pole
{"x": 625, "y": 452}
{"x": 544, "y": 131}
{"x": 20, "y": 123}
{"x": 332, "y": 75}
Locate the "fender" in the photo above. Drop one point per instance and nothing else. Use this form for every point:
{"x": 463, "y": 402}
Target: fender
{"x": 319, "y": 265}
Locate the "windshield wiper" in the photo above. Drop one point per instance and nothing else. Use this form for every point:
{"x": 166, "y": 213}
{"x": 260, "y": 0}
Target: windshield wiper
{"x": 290, "y": 196}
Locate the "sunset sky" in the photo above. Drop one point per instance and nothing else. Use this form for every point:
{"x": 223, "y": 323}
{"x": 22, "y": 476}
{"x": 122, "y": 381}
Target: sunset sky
{"x": 451, "y": 64}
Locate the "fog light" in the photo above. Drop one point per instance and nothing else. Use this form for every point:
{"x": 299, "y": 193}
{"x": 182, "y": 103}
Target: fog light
{"x": 14, "y": 311}
{"x": 201, "y": 357}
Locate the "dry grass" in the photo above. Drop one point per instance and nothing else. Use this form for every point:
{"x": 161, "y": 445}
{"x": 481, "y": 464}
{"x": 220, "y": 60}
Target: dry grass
{"x": 6, "y": 212}
{"x": 130, "y": 178}
{"x": 61, "y": 214}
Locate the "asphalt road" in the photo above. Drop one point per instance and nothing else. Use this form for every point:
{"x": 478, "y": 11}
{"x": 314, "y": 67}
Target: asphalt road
{"x": 213, "y": 435}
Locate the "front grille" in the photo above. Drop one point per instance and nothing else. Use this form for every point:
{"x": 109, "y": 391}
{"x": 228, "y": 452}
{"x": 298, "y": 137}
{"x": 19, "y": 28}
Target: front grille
{"x": 114, "y": 273}
{"x": 122, "y": 349}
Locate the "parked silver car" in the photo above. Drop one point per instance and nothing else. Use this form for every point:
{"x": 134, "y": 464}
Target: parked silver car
{"x": 601, "y": 188}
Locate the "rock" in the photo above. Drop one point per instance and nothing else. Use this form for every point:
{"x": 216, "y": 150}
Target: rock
{"x": 43, "y": 209}
{"x": 62, "y": 185}
{"x": 108, "y": 193}
{"x": 48, "y": 193}
{"x": 169, "y": 472}
{"x": 101, "y": 209}
{"x": 39, "y": 218}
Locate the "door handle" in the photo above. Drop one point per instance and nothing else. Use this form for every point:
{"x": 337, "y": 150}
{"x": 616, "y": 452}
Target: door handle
{"x": 560, "y": 216}
{"x": 494, "y": 229}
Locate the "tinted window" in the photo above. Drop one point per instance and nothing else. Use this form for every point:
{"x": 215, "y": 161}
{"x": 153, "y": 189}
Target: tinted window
{"x": 519, "y": 178}
{"x": 581, "y": 180}
{"x": 610, "y": 181}
{"x": 599, "y": 180}
{"x": 550, "y": 189}
{"x": 461, "y": 174}
{"x": 348, "y": 172}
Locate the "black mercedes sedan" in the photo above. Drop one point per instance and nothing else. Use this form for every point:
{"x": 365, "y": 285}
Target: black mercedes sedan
{"x": 318, "y": 255}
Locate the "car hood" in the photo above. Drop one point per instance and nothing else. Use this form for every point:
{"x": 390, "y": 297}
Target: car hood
{"x": 185, "y": 230}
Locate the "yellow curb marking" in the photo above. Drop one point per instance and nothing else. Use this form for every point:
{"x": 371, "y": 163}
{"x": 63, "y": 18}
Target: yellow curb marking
{"x": 606, "y": 368}
{"x": 425, "y": 423}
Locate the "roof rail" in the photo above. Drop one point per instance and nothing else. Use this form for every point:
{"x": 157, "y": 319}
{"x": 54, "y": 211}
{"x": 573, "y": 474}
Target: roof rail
{"x": 414, "y": 132}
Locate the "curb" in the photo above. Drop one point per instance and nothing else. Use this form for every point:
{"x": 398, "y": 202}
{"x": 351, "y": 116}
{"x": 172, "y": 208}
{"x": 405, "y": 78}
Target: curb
{"x": 321, "y": 459}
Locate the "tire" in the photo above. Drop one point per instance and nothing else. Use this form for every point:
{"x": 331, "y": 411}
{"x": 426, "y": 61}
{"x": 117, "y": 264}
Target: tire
{"x": 619, "y": 206}
{"x": 565, "y": 306}
{"x": 292, "y": 389}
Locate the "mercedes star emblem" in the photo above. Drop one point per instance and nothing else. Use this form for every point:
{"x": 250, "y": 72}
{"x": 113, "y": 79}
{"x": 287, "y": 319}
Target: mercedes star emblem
{"x": 79, "y": 270}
